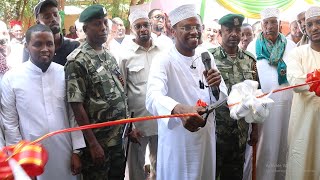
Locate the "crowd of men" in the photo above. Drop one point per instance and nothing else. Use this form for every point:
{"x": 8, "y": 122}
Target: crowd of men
{"x": 165, "y": 66}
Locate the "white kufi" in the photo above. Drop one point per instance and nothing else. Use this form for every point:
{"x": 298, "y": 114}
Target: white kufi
{"x": 312, "y": 12}
{"x": 270, "y": 12}
{"x": 138, "y": 14}
{"x": 182, "y": 12}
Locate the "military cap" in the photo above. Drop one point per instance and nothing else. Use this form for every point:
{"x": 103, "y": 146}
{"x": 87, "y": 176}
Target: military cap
{"x": 230, "y": 20}
{"x": 43, "y": 3}
{"x": 93, "y": 12}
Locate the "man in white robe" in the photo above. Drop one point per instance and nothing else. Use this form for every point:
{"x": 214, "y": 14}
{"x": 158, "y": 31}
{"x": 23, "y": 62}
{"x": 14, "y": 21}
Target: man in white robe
{"x": 273, "y": 49}
{"x": 186, "y": 146}
{"x": 33, "y": 104}
{"x": 304, "y": 124}
{"x": 4, "y": 38}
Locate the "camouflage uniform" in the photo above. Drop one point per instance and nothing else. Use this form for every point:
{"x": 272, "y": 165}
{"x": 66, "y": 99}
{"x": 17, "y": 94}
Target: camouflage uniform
{"x": 95, "y": 80}
{"x": 231, "y": 134}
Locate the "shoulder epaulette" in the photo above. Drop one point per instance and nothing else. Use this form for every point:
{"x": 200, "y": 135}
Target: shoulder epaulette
{"x": 73, "y": 54}
{"x": 249, "y": 54}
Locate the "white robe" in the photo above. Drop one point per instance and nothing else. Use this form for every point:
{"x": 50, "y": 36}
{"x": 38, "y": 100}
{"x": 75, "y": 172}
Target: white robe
{"x": 272, "y": 143}
{"x": 304, "y": 134}
{"x": 182, "y": 154}
{"x": 34, "y": 104}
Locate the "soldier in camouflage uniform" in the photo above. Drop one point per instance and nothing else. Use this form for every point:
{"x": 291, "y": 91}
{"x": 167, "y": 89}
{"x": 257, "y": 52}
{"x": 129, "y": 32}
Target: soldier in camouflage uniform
{"x": 95, "y": 92}
{"x": 235, "y": 66}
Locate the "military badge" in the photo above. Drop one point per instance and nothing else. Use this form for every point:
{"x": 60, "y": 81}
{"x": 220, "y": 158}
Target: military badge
{"x": 236, "y": 22}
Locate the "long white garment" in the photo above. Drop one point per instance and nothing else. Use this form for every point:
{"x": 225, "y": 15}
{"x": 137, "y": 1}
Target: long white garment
{"x": 33, "y": 104}
{"x": 181, "y": 154}
{"x": 272, "y": 143}
{"x": 116, "y": 48}
{"x": 304, "y": 134}
{"x": 2, "y": 141}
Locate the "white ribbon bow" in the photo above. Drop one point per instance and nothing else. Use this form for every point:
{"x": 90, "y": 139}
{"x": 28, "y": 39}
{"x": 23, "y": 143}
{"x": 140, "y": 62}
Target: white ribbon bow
{"x": 255, "y": 110}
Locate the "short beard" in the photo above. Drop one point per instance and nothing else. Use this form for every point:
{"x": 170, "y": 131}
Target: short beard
{"x": 144, "y": 39}
{"x": 55, "y": 30}
{"x": 158, "y": 29}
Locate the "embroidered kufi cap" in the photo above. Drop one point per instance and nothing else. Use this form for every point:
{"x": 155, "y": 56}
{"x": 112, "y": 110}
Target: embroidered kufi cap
{"x": 138, "y": 14}
{"x": 312, "y": 12}
{"x": 181, "y": 13}
{"x": 270, "y": 12}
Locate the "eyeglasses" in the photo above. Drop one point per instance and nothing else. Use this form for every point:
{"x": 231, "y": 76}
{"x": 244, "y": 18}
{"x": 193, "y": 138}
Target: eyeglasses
{"x": 188, "y": 28}
{"x": 139, "y": 26}
{"x": 158, "y": 17}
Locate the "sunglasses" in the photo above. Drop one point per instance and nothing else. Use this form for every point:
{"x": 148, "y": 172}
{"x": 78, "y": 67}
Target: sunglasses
{"x": 139, "y": 26}
{"x": 158, "y": 17}
{"x": 188, "y": 28}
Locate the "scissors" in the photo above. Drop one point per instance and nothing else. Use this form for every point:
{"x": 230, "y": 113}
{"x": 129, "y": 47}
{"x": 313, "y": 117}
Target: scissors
{"x": 212, "y": 107}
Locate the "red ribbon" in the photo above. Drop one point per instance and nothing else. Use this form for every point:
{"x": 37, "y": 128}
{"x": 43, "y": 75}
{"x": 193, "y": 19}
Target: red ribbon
{"x": 314, "y": 76}
{"x": 33, "y": 157}
{"x": 317, "y": 82}
{"x": 201, "y": 103}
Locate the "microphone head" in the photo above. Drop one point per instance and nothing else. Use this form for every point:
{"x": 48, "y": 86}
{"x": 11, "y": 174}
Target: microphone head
{"x": 205, "y": 57}
{"x": 206, "y": 60}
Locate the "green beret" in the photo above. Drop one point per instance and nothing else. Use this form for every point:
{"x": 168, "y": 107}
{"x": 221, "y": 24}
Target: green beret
{"x": 231, "y": 20}
{"x": 95, "y": 11}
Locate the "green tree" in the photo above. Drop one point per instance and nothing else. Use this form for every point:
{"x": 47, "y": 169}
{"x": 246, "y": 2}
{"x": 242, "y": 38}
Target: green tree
{"x": 23, "y": 9}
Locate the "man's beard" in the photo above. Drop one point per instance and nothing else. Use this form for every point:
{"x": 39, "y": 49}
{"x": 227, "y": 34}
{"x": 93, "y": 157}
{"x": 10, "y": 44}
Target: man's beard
{"x": 55, "y": 29}
{"x": 158, "y": 28}
{"x": 144, "y": 38}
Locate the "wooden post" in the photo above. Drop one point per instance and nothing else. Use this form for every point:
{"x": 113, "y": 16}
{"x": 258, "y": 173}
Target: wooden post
{"x": 61, "y": 5}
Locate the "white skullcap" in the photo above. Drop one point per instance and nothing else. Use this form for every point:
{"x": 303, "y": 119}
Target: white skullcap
{"x": 182, "y": 12}
{"x": 292, "y": 19}
{"x": 138, "y": 14}
{"x": 270, "y": 12}
{"x": 312, "y": 12}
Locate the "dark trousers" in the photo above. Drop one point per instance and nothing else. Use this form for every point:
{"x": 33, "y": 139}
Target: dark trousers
{"x": 112, "y": 169}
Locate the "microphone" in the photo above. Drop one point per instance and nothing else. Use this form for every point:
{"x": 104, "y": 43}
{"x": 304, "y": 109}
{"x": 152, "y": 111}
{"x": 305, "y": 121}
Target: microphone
{"x": 206, "y": 60}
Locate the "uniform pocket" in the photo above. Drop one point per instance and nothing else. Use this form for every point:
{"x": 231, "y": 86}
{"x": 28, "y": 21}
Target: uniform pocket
{"x": 248, "y": 75}
{"x": 137, "y": 75}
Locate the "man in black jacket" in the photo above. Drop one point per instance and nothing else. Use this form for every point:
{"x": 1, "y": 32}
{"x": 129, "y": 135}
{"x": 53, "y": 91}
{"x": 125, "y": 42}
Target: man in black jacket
{"x": 47, "y": 13}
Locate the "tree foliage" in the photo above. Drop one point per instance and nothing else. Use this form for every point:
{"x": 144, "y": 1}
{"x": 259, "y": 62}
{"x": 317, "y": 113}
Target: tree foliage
{"x": 22, "y": 10}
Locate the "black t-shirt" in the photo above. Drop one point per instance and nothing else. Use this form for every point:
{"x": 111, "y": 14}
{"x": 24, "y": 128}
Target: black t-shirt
{"x": 60, "y": 55}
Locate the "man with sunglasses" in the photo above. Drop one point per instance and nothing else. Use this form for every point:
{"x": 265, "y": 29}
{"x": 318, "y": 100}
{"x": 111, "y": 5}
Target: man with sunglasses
{"x": 236, "y": 65}
{"x": 177, "y": 80}
{"x": 157, "y": 20}
{"x": 134, "y": 66}
{"x": 158, "y": 23}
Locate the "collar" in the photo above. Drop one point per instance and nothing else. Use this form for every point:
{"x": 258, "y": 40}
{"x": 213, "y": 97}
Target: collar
{"x": 61, "y": 42}
{"x": 135, "y": 47}
{"x": 223, "y": 53}
{"x": 35, "y": 68}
